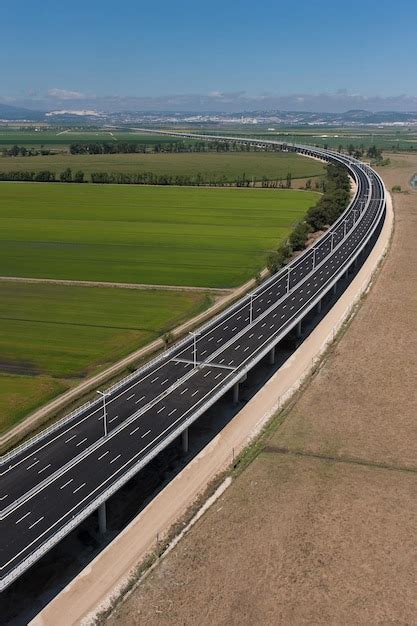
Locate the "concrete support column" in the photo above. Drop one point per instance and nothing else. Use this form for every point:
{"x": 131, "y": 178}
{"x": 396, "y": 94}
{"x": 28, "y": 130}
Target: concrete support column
{"x": 318, "y": 308}
{"x": 335, "y": 289}
{"x": 184, "y": 441}
{"x": 299, "y": 330}
{"x": 236, "y": 393}
{"x": 271, "y": 356}
{"x": 102, "y": 519}
{"x": 347, "y": 274}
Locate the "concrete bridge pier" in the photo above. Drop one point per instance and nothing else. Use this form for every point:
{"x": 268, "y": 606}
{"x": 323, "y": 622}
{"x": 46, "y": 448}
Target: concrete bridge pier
{"x": 299, "y": 329}
{"x": 184, "y": 441}
{"x": 271, "y": 356}
{"x": 236, "y": 393}
{"x": 236, "y": 389}
{"x": 102, "y": 519}
{"x": 318, "y": 307}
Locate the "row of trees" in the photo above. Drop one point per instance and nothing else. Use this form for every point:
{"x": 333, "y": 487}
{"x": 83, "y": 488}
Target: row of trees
{"x": 44, "y": 176}
{"x": 143, "y": 178}
{"x": 267, "y": 183}
{"x": 133, "y": 147}
{"x": 23, "y": 151}
{"x": 335, "y": 198}
{"x": 372, "y": 152}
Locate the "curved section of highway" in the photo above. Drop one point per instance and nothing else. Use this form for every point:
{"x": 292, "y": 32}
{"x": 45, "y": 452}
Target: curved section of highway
{"x": 56, "y": 479}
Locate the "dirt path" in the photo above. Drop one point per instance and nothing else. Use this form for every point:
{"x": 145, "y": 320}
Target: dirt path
{"x": 301, "y": 538}
{"x": 95, "y": 283}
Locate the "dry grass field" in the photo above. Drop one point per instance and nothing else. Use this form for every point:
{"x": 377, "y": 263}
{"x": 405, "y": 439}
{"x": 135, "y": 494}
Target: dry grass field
{"x": 303, "y": 539}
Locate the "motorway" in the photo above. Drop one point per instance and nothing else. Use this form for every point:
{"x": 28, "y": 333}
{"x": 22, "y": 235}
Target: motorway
{"x": 55, "y": 480}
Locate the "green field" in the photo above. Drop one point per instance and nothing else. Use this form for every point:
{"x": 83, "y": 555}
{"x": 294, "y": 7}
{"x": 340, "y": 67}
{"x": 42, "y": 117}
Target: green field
{"x": 152, "y": 235}
{"x": 21, "y": 394}
{"x": 387, "y": 137}
{"x": 52, "y": 335}
{"x": 58, "y": 137}
{"x": 274, "y": 166}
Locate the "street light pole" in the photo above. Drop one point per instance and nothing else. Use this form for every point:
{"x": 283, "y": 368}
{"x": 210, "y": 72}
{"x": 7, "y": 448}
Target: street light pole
{"x": 194, "y": 336}
{"x": 103, "y": 394}
{"x": 288, "y": 279}
{"x": 251, "y": 309}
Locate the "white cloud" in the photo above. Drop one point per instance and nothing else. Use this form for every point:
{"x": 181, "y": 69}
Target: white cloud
{"x": 65, "y": 94}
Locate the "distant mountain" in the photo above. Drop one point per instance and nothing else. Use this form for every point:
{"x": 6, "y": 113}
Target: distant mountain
{"x": 12, "y": 113}
{"x": 79, "y": 116}
{"x": 369, "y": 117}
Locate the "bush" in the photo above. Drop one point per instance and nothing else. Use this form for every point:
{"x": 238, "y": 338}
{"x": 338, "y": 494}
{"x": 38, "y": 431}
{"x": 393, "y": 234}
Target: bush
{"x": 66, "y": 176}
{"x": 44, "y": 176}
{"x": 168, "y": 338}
{"x": 317, "y": 217}
{"x": 279, "y": 258}
{"x": 334, "y": 199}
{"x": 299, "y": 235}
{"x": 79, "y": 177}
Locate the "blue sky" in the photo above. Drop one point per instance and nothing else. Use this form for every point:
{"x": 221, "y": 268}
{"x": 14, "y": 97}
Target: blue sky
{"x": 86, "y": 50}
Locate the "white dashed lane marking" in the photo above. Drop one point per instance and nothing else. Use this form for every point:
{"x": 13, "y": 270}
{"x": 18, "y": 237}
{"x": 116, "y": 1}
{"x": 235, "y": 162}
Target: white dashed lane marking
{"x": 37, "y": 522}
{"x": 22, "y": 518}
{"x": 33, "y": 464}
{"x": 67, "y": 483}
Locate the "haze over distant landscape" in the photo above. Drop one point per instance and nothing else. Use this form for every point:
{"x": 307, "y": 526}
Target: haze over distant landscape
{"x": 230, "y": 57}
{"x": 339, "y": 102}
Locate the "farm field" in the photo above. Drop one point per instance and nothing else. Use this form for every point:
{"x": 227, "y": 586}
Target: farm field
{"x": 138, "y": 234}
{"x": 53, "y": 335}
{"x": 57, "y": 137}
{"x": 387, "y": 138}
{"x": 274, "y": 166}
{"x": 393, "y": 141}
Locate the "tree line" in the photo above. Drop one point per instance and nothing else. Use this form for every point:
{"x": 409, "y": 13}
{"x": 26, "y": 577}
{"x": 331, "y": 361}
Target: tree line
{"x": 134, "y": 147}
{"x": 23, "y": 151}
{"x": 43, "y": 176}
{"x": 335, "y": 198}
{"x": 144, "y": 178}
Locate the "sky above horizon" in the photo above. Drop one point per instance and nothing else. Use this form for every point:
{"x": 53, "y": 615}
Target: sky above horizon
{"x": 95, "y": 50}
